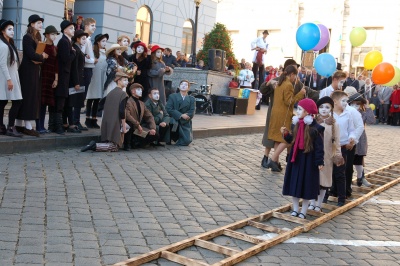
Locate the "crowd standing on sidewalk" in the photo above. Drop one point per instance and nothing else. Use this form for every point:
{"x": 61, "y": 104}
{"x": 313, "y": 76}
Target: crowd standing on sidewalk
{"x": 58, "y": 77}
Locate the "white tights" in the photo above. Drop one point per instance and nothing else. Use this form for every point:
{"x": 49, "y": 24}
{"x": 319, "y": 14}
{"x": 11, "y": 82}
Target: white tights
{"x": 28, "y": 123}
{"x": 296, "y": 205}
{"x": 321, "y": 196}
{"x": 359, "y": 169}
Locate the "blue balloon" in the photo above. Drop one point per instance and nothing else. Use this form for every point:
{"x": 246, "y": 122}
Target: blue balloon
{"x": 325, "y": 64}
{"x": 308, "y": 36}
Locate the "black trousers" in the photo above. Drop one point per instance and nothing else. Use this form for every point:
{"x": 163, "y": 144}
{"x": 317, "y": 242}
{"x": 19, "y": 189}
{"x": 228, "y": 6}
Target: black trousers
{"x": 162, "y": 131}
{"x": 384, "y": 113}
{"x": 59, "y": 105}
{"x": 87, "y": 76}
{"x": 339, "y": 180}
{"x": 134, "y": 140}
{"x": 258, "y": 71}
{"x": 92, "y": 106}
{"x": 12, "y": 113}
{"x": 396, "y": 119}
{"x": 349, "y": 170}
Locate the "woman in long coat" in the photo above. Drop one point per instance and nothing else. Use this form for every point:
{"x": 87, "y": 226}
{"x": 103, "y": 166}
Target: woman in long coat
{"x": 96, "y": 86}
{"x": 284, "y": 100}
{"x": 157, "y": 71}
{"x": 10, "y": 88}
{"x": 29, "y": 75}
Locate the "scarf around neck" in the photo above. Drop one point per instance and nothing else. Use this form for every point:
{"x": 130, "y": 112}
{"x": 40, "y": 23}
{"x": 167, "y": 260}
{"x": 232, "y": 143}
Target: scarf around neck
{"x": 299, "y": 142}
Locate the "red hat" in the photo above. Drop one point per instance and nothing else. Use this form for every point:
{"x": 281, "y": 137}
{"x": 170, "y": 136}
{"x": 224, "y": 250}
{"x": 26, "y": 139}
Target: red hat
{"x": 155, "y": 48}
{"x": 309, "y": 105}
{"x": 135, "y": 45}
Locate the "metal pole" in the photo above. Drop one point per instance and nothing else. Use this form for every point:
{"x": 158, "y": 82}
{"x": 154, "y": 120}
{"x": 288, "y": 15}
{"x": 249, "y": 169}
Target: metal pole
{"x": 195, "y": 38}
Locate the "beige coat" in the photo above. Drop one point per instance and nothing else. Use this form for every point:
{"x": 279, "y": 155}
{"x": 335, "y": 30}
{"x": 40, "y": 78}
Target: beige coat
{"x": 325, "y": 175}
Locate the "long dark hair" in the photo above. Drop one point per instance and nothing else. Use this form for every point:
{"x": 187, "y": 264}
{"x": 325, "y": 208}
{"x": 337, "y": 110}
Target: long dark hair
{"x": 35, "y": 36}
{"x": 287, "y": 72}
{"x": 11, "y": 48}
{"x": 120, "y": 59}
{"x": 96, "y": 48}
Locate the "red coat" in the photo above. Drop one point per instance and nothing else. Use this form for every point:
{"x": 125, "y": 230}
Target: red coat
{"x": 395, "y": 100}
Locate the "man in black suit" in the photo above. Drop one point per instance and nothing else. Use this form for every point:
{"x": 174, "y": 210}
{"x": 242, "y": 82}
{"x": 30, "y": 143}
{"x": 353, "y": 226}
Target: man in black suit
{"x": 313, "y": 79}
{"x": 65, "y": 55}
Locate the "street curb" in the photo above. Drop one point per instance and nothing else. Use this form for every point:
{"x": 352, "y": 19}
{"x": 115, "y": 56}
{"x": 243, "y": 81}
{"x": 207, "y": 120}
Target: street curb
{"x": 28, "y": 144}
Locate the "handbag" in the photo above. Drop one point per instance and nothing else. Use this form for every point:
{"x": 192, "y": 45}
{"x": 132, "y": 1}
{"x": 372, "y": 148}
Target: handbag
{"x": 396, "y": 106}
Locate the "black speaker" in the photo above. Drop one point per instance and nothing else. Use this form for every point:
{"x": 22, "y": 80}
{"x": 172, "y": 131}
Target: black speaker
{"x": 214, "y": 59}
{"x": 241, "y": 106}
{"x": 223, "y": 105}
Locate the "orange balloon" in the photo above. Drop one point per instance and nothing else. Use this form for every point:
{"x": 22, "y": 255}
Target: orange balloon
{"x": 383, "y": 73}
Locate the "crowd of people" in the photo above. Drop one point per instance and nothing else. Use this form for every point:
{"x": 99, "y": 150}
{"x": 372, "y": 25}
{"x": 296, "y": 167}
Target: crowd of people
{"x": 60, "y": 78}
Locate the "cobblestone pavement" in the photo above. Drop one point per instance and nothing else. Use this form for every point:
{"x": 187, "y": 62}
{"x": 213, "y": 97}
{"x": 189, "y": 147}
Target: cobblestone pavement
{"x": 70, "y": 208}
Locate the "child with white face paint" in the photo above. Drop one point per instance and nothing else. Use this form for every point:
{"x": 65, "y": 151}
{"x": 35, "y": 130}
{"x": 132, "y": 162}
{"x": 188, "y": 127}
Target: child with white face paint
{"x": 332, "y": 153}
{"x": 306, "y": 158}
{"x": 143, "y": 61}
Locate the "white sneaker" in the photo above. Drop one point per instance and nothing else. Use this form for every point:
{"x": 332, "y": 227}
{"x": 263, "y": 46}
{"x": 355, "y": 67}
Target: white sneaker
{"x": 365, "y": 182}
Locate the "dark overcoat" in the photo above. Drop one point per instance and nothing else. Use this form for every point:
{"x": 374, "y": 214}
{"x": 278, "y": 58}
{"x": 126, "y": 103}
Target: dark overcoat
{"x": 65, "y": 56}
{"x": 77, "y": 78}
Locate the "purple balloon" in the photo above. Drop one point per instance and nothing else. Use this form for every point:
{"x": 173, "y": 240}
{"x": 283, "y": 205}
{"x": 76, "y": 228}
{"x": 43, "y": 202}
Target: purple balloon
{"x": 325, "y": 36}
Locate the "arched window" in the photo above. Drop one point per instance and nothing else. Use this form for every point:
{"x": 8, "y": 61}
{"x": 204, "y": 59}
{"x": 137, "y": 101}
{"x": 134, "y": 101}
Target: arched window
{"x": 143, "y": 24}
{"x": 187, "y": 37}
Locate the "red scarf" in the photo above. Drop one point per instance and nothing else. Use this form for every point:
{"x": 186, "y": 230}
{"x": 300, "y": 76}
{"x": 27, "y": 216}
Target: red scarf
{"x": 299, "y": 142}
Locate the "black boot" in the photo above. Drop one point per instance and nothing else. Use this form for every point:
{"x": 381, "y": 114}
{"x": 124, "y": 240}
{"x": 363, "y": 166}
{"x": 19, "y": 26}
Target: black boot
{"x": 88, "y": 123}
{"x": 264, "y": 162}
{"x": 52, "y": 122}
{"x": 3, "y": 129}
{"x": 94, "y": 123}
{"x": 59, "y": 124}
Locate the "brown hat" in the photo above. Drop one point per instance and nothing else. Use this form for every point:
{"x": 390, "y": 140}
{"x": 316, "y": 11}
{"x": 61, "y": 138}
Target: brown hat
{"x": 116, "y": 46}
{"x": 290, "y": 62}
{"x": 119, "y": 75}
{"x": 266, "y": 32}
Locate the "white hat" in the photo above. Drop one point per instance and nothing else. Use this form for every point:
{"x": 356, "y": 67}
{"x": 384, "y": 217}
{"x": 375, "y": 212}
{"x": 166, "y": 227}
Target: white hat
{"x": 350, "y": 90}
{"x": 114, "y": 47}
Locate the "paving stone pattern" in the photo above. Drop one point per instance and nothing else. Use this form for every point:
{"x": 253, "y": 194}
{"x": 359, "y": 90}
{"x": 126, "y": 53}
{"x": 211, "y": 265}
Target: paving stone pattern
{"x": 71, "y": 208}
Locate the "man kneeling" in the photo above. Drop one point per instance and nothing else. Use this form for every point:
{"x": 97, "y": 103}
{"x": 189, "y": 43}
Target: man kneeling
{"x": 161, "y": 117}
{"x": 113, "y": 124}
{"x": 136, "y": 116}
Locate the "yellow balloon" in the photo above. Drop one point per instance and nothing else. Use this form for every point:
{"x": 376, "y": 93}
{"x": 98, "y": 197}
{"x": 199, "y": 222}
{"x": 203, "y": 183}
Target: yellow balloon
{"x": 395, "y": 79}
{"x": 372, "y": 106}
{"x": 372, "y": 59}
{"x": 358, "y": 36}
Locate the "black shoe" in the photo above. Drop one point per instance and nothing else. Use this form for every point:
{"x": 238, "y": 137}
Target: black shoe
{"x": 3, "y": 130}
{"x": 94, "y": 124}
{"x": 73, "y": 130}
{"x": 340, "y": 204}
{"x": 81, "y": 128}
{"x": 157, "y": 144}
{"x": 359, "y": 182}
{"x": 127, "y": 147}
{"x": 90, "y": 146}
{"x": 88, "y": 123}
{"x": 264, "y": 162}
{"x": 258, "y": 107}
{"x": 274, "y": 166}
{"x": 12, "y": 132}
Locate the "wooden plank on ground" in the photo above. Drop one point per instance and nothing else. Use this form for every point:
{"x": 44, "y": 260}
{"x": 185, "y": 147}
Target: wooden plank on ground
{"x": 315, "y": 213}
{"x": 215, "y": 247}
{"x": 329, "y": 206}
{"x": 376, "y": 181}
{"x": 244, "y": 237}
{"x": 289, "y": 218}
{"x": 181, "y": 259}
{"x": 361, "y": 189}
{"x": 265, "y": 227}
{"x": 381, "y": 177}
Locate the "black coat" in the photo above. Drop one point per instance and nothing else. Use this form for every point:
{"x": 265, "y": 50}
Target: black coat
{"x": 310, "y": 82}
{"x": 29, "y": 76}
{"x": 143, "y": 78}
{"x": 65, "y": 56}
{"x": 77, "y": 78}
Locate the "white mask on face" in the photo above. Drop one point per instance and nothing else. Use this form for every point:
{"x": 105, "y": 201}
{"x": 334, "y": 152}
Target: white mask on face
{"x": 340, "y": 84}
{"x": 139, "y": 49}
{"x": 158, "y": 54}
{"x": 9, "y": 31}
{"x": 156, "y": 96}
{"x": 138, "y": 92}
{"x": 325, "y": 109}
{"x": 91, "y": 28}
{"x": 124, "y": 42}
{"x": 38, "y": 25}
{"x": 83, "y": 40}
{"x": 184, "y": 86}
{"x": 125, "y": 82}
{"x": 53, "y": 36}
{"x": 103, "y": 43}
{"x": 343, "y": 102}
{"x": 301, "y": 113}
{"x": 355, "y": 106}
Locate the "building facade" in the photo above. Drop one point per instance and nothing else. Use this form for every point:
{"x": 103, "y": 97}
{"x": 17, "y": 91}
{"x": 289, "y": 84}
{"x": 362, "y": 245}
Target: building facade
{"x": 282, "y": 18}
{"x": 168, "y": 23}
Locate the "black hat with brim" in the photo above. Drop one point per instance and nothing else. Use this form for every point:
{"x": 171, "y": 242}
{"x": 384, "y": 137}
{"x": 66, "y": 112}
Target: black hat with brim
{"x": 80, "y": 33}
{"x": 65, "y": 24}
{"x": 4, "y": 23}
{"x": 290, "y": 62}
{"x": 325, "y": 99}
{"x": 357, "y": 97}
{"x": 101, "y": 36}
{"x": 34, "y": 18}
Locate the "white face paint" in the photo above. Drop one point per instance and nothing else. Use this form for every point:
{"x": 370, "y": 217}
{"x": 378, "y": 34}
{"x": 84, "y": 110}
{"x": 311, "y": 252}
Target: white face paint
{"x": 355, "y": 106}
{"x": 103, "y": 43}
{"x": 184, "y": 86}
{"x": 9, "y": 31}
{"x": 124, "y": 42}
{"x": 82, "y": 41}
{"x": 125, "y": 82}
{"x": 155, "y": 96}
{"x": 139, "y": 49}
{"x": 158, "y": 53}
{"x": 340, "y": 83}
{"x": 53, "y": 36}
{"x": 138, "y": 92}
{"x": 91, "y": 28}
{"x": 38, "y": 25}
{"x": 69, "y": 31}
{"x": 343, "y": 102}
{"x": 325, "y": 109}
{"x": 301, "y": 113}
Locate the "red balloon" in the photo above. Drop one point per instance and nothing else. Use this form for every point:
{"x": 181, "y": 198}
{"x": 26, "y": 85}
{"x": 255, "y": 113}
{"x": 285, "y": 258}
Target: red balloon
{"x": 383, "y": 73}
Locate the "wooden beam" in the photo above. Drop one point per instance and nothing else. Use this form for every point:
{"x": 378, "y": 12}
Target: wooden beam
{"x": 376, "y": 181}
{"x": 380, "y": 177}
{"x": 361, "y": 189}
{"x": 289, "y": 218}
{"x": 215, "y": 247}
{"x": 329, "y": 206}
{"x": 335, "y": 199}
{"x": 315, "y": 213}
{"x": 181, "y": 259}
{"x": 265, "y": 227}
{"x": 244, "y": 237}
